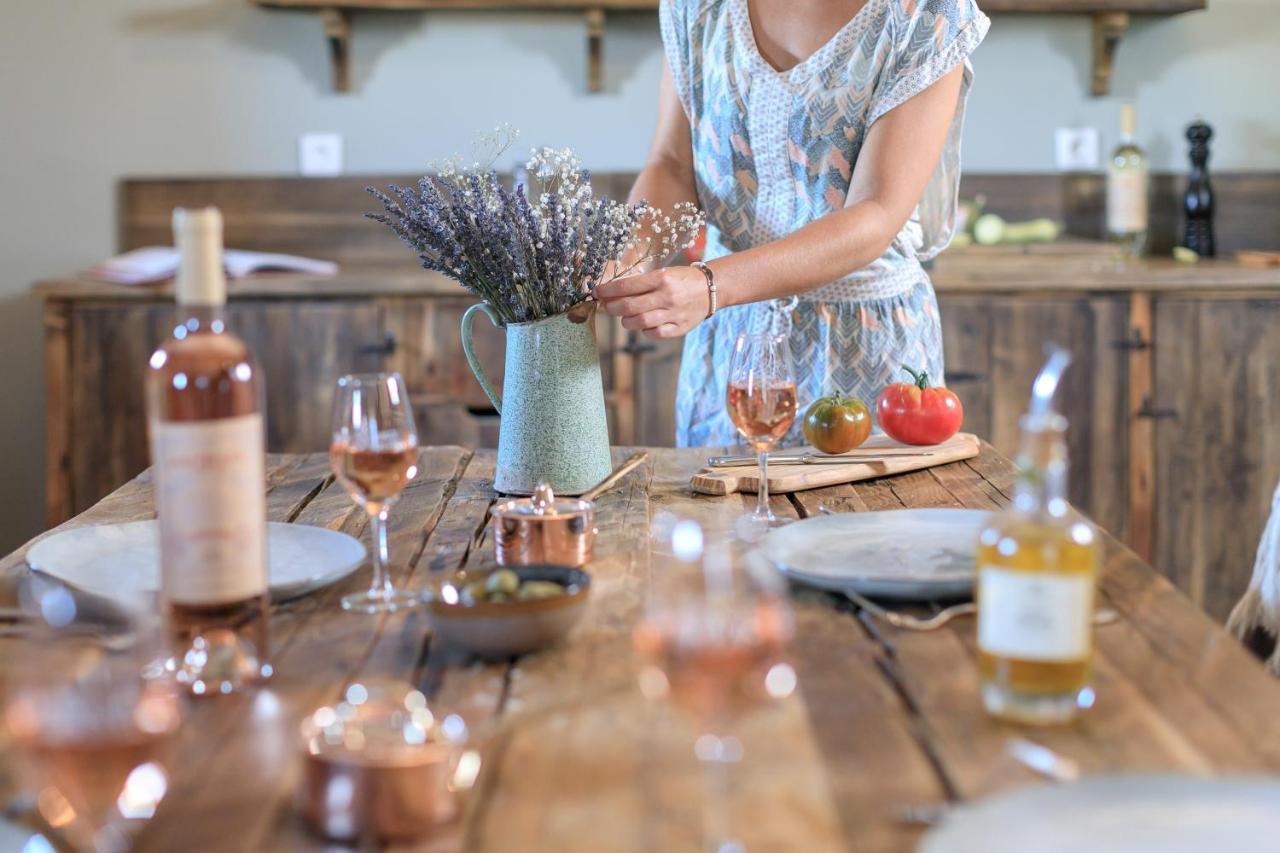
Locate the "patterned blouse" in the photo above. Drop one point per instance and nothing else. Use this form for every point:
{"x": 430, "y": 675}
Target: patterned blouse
{"x": 775, "y": 150}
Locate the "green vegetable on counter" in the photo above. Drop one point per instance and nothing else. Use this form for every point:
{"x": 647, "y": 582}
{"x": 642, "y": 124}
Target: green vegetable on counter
{"x": 991, "y": 230}
{"x": 1183, "y": 255}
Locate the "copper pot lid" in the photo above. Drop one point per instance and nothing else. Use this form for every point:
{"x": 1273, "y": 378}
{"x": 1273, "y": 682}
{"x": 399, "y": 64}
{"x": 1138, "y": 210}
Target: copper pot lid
{"x": 382, "y": 723}
{"x": 542, "y": 505}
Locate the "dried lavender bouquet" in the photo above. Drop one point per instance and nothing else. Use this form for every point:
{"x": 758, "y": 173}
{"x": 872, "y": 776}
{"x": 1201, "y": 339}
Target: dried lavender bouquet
{"x": 536, "y": 250}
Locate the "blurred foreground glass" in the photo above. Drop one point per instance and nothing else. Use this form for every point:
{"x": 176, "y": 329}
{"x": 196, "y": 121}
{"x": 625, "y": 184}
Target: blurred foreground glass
{"x": 91, "y": 714}
{"x": 711, "y": 642}
{"x": 382, "y": 766}
{"x": 761, "y": 399}
{"x": 374, "y": 455}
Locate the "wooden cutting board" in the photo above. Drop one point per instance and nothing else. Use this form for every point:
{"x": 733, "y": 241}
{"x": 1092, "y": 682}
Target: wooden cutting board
{"x": 797, "y": 478}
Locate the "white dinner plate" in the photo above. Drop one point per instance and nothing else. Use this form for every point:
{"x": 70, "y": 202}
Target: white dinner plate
{"x": 1118, "y": 814}
{"x": 905, "y": 554}
{"x": 111, "y": 560}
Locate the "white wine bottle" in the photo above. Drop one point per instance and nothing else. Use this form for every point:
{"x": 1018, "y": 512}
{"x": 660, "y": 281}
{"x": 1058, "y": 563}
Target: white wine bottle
{"x": 1036, "y": 577}
{"x": 1128, "y": 184}
{"x": 204, "y": 416}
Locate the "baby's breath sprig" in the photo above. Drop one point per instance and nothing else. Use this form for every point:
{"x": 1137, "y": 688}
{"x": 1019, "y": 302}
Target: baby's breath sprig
{"x": 535, "y": 250}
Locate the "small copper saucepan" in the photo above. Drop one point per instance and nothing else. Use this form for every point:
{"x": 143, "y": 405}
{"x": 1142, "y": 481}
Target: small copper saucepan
{"x": 545, "y": 529}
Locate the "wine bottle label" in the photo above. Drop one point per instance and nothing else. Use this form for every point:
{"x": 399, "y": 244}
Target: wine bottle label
{"x": 1127, "y": 202}
{"x": 211, "y": 505}
{"x": 1034, "y": 616}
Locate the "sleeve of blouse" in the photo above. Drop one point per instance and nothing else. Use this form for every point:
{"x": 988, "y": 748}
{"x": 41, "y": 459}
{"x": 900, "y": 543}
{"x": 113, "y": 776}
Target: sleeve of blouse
{"x": 929, "y": 42}
{"x": 673, "y": 21}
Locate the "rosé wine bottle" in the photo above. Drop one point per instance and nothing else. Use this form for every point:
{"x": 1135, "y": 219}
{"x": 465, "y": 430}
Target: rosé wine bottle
{"x": 204, "y": 417}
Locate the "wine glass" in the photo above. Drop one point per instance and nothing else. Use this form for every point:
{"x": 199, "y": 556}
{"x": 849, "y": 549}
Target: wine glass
{"x": 91, "y": 713}
{"x": 711, "y": 642}
{"x": 374, "y": 455}
{"x": 762, "y": 402}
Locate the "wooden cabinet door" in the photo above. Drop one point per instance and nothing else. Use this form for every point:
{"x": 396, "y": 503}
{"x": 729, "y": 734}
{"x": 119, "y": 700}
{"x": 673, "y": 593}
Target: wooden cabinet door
{"x": 1216, "y": 407}
{"x": 303, "y": 346}
{"x": 656, "y": 373}
{"x": 995, "y": 346}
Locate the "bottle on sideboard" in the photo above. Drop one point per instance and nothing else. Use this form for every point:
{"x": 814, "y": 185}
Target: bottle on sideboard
{"x": 1128, "y": 182}
{"x": 1198, "y": 203}
{"x": 204, "y": 418}
{"x": 1037, "y": 570}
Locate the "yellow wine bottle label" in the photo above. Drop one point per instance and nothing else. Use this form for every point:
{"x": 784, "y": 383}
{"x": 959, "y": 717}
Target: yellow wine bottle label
{"x": 211, "y": 507}
{"x": 1036, "y": 616}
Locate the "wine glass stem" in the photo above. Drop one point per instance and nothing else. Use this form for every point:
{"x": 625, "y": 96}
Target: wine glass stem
{"x": 762, "y": 491}
{"x": 381, "y": 585}
{"x": 716, "y": 832}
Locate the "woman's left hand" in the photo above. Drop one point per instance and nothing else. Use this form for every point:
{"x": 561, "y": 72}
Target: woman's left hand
{"x": 663, "y": 303}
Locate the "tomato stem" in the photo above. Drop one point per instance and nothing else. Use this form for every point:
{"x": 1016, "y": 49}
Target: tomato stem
{"x": 920, "y": 377}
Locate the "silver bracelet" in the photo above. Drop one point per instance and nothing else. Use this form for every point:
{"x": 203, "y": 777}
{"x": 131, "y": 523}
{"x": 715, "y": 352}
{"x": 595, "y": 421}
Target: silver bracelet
{"x": 711, "y": 284}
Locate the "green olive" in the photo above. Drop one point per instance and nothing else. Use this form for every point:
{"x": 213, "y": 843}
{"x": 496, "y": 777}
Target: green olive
{"x": 540, "y": 589}
{"x": 504, "y": 581}
{"x": 473, "y": 593}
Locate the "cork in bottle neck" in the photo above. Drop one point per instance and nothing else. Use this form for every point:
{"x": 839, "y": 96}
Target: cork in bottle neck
{"x": 1128, "y": 121}
{"x": 197, "y": 233}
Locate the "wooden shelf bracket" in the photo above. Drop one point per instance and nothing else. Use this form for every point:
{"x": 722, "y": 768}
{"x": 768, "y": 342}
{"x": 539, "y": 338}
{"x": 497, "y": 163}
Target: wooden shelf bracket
{"x": 595, "y": 49}
{"x": 337, "y": 31}
{"x": 1108, "y": 29}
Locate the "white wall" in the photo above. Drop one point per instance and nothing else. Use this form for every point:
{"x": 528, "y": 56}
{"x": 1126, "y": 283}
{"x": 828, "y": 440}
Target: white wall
{"x": 97, "y": 89}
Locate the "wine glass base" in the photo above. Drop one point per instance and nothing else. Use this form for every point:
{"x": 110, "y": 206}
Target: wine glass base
{"x": 751, "y": 527}
{"x": 364, "y": 602}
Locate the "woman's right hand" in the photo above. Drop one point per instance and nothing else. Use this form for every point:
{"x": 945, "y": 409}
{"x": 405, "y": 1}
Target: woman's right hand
{"x": 663, "y": 303}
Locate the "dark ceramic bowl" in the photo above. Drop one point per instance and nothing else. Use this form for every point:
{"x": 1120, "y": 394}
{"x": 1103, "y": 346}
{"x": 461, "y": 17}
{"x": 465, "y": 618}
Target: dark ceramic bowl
{"x": 498, "y": 629}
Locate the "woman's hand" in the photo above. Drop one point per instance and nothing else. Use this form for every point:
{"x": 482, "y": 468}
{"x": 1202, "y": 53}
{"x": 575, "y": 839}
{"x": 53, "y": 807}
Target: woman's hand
{"x": 663, "y": 303}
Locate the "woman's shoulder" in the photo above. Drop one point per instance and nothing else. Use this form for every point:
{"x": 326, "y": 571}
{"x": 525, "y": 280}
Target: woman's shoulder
{"x": 691, "y": 12}
{"x": 953, "y": 12}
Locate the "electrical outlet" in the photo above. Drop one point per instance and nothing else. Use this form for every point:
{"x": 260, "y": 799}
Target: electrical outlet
{"x": 320, "y": 154}
{"x": 1078, "y": 149}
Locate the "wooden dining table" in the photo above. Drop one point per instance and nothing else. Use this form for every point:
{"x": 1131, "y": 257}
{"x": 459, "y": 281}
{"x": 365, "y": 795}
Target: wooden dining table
{"x": 575, "y": 759}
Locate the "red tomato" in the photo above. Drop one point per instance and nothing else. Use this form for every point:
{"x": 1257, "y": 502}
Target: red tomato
{"x": 915, "y": 413}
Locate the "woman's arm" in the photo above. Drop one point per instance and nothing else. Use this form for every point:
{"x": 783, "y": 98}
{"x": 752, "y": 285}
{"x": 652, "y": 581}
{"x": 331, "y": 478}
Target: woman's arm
{"x": 667, "y": 176}
{"x": 897, "y": 159}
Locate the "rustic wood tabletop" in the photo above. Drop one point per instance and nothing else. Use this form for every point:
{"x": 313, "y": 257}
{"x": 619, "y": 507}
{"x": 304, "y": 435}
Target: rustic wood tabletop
{"x": 576, "y": 759}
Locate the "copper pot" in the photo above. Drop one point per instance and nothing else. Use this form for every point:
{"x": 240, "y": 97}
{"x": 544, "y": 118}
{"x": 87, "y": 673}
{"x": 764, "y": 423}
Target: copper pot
{"x": 544, "y": 529}
{"x": 381, "y": 766}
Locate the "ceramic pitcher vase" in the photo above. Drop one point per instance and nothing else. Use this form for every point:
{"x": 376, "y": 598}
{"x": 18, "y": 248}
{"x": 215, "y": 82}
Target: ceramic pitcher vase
{"x": 553, "y": 425}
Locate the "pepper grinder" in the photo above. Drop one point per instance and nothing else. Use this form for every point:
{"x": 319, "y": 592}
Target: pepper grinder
{"x": 1198, "y": 204}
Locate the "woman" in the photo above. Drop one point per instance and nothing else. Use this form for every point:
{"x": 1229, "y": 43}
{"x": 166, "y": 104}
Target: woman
{"x": 822, "y": 138}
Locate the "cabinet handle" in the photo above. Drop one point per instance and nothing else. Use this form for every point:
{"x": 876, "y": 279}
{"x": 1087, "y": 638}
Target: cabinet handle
{"x": 965, "y": 376}
{"x": 1133, "y": 343}
{"x": 385, "y": 348}
{"x": 638, "y": 345}
{"x": 1151, "y": 412}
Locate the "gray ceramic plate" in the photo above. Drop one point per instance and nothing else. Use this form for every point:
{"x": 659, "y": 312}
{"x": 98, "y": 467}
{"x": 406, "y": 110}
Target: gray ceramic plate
{"x": 1118, "y": 814}
{"x": 110, "y": 560}
{"x": 906, "y": 554}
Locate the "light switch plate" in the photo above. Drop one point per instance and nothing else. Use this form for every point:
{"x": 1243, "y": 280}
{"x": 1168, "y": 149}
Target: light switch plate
{"x": 320, "y": 154}
{"x": 1078, "y": 149}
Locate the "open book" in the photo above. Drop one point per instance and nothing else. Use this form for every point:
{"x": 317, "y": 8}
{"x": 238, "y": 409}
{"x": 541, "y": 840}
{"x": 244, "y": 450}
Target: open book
{"x": 156, "y": 263}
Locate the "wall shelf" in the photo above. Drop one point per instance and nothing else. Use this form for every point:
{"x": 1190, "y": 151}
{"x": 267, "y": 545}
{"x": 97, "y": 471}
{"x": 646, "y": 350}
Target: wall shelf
{"x": 1110, "y": 22}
